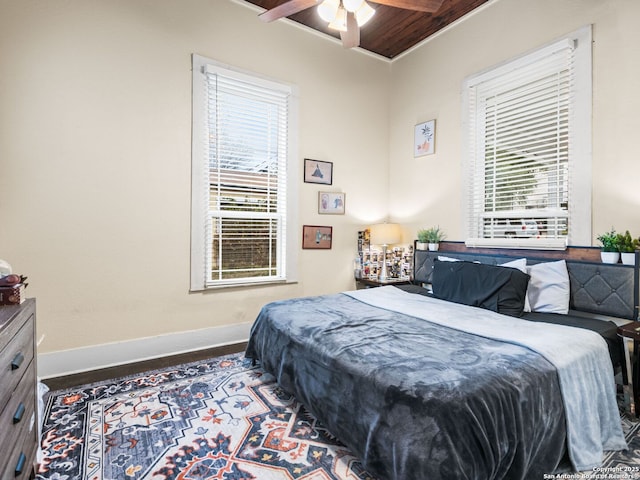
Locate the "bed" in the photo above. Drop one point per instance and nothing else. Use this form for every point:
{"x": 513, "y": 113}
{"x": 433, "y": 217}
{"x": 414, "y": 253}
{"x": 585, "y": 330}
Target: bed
{"x": 421, "y": 386}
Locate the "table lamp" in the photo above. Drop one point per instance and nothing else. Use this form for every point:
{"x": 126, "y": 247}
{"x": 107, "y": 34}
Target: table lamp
{"x": 385, "y": 234}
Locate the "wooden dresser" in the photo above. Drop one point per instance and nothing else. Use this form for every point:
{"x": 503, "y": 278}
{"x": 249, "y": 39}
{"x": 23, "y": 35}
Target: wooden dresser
{"x": 18, "y": 423}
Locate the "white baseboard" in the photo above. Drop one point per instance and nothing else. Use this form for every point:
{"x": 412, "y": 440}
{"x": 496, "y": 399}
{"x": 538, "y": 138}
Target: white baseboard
{"x": 77, "y": 360}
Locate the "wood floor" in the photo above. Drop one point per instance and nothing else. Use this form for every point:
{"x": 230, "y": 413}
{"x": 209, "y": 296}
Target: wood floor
{"x": 94, "y": 376}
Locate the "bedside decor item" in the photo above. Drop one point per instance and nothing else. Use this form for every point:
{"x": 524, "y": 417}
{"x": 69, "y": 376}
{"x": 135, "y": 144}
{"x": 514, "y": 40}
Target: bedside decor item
{"x": 331, "y": 203}
{"x": 430, "y": 237}
{"x": 317, "y": 171}
{"x": 610, "y": 246}
{"x": 12, "y": 289}
{"x": 424, "y": 138}
{"x": 316, "y": 237}
{"x": 384, "y": 234}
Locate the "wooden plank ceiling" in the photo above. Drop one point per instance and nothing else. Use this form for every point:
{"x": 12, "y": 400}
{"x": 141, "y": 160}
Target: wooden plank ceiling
{"x": 392, "y": 30}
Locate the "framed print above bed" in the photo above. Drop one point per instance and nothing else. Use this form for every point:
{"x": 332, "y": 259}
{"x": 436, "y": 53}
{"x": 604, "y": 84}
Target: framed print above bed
{"x": 316, "y": 237}
{"x": 424, "y": 138}
{"x": 317, "y": 171}
{"x": 331, "y": 203}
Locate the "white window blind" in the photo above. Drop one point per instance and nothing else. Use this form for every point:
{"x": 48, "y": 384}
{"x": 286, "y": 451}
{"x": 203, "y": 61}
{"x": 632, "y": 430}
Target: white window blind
{"x": 521, "y": 156}
{"x": 243, "y": 167}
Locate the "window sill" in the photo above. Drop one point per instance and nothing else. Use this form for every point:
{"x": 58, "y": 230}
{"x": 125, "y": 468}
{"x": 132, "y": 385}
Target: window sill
{"x": 224, "y": 286}
{"x": 521, "y": 243}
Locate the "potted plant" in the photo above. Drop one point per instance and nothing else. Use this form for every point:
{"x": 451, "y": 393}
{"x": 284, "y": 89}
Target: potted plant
{"x": 627, "y": 248}
{"x": 430, "y": 237}
{"x": 610, "y": 252}
{"x": 422, "y": 240}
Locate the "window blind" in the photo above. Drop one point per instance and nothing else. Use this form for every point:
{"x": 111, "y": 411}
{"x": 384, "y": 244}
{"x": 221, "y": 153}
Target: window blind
{"x": 520, "y": 143}
{"x": 246, "y": 173}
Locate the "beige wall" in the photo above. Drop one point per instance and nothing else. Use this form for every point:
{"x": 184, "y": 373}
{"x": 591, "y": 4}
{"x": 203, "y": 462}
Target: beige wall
{"x": 427, "y": 83}
{"x": 95, "y": 144}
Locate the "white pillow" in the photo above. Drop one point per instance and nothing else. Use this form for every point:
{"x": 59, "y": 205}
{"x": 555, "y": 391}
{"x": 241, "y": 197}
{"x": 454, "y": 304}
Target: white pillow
{"x": 520, "y": 264}
{"x": 447, "y": 259}
{"x": 549, "y": 288}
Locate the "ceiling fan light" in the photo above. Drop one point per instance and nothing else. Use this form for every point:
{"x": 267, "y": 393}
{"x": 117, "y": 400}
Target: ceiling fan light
{"x": 340, "y": 22}
{"x": 328, "y": 10}
{"x": 364, "y": 13}
{"x": 352, "y": 5}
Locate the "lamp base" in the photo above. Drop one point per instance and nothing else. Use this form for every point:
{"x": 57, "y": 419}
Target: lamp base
{"x": 383, "y": 276}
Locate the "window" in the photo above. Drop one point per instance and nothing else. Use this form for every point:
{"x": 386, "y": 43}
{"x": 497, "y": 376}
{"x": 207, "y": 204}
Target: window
{"x": 241, "y": 178}
{"x": 528, "y": 154}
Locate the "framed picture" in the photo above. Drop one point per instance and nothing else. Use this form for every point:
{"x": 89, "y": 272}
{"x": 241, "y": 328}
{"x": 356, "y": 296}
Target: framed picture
{"x": 316, "y": 237}
{"x": 330, "y": 203}
{"x": 317, "y": 171}
{"x": 424, "y": 136}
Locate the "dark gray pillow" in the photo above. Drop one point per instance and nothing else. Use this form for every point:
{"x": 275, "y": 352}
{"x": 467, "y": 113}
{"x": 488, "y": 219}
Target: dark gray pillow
{"x": 501, "y": 289}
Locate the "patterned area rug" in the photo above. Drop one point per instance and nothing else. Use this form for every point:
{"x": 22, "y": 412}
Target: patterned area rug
{"x": 220, "y": 419}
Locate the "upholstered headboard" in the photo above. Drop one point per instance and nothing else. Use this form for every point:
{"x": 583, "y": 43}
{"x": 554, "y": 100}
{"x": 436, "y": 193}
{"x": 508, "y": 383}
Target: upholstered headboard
{"x": 598, "y": 288}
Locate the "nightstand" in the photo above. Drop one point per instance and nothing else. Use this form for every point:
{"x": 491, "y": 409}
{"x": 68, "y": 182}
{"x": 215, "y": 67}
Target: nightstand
{"x": 369, "y": 283}
{"x": 630, "y": 334}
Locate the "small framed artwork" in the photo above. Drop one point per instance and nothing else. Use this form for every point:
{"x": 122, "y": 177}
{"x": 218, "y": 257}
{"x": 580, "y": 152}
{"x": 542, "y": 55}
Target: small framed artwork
{"x": 316, "y": 237}
{"x": 424, "y": 142}
{"x": 330, "y": 203}
{"x": 317, "y": 171}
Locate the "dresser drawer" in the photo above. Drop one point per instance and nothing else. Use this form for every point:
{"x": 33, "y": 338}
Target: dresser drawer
{"x": 21, "y": 460}
{"x": 24, "y": 460}
{"x": 14, "y": 360}
{"x": 12, "y": 318}
{"x": 17, "y": 421}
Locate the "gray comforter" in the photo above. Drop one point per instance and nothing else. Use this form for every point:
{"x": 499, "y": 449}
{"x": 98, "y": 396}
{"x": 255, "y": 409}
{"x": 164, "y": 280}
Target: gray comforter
{"x": 414, "y": 398}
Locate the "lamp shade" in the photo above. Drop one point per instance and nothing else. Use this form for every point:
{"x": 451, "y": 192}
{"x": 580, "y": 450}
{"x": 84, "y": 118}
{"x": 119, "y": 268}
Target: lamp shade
{"x": 352, "y": 5}
{"x": 340, "y": 21}
{"x": 364, "y": 14}
{"x": 385, "y": 233}
{"x": 328, "y": 10}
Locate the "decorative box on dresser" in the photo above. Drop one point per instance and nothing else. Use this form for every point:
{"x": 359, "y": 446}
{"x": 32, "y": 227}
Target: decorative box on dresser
{"x": 18, "y": 423}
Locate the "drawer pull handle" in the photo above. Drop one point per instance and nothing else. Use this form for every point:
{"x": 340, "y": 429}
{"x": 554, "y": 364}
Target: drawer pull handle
{"x": 20, "y": 465}
{"x": 19, "y": 413}
{"x": 17, "y": 361}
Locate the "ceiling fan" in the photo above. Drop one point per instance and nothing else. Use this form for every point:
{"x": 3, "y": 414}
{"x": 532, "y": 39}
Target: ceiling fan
{"x": 347, "y": 16}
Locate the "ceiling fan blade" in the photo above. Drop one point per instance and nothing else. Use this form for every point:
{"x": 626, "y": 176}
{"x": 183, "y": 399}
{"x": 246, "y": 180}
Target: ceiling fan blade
{"x": 351, "y": 38}
{"x": 286, "y": 9}
{"x": 429, "y": 6}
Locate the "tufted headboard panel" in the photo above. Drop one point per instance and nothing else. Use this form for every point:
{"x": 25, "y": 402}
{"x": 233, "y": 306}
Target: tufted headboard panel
{"x": 596, "y": 287}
